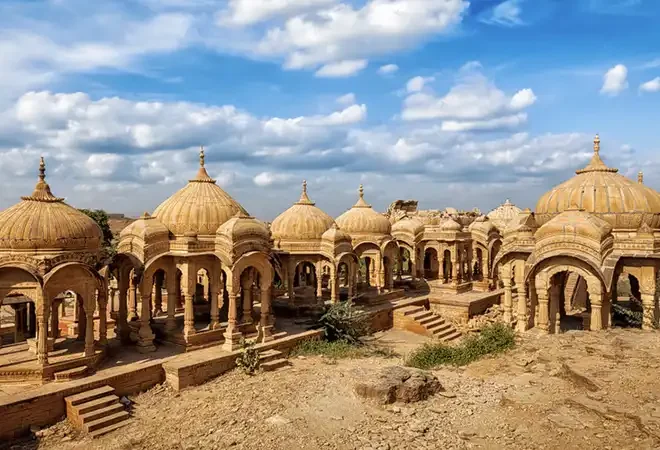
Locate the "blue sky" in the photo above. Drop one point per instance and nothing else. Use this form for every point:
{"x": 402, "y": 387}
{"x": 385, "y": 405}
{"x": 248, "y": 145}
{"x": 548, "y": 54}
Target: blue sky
{"x": 449, "y": 102}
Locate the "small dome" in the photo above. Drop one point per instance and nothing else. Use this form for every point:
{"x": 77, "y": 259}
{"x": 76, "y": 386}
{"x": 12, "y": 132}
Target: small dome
{"x": 483, "y": 225}
{"x": 44, "y": 222}
{"x": 335, "y": 234}
{"x": 575, "y": 222}
{"x": 600, "y": 190}
{"x": 362, "y": 219}
{"x": 302, "y": 221}
{"x": 146, "y": 228}
{"x": 408, "y": 225}
{"x": 242, "y": 226}
{"x": 450, "y": 224}
{"x": 503, "y": 214}
{"x": 200, "y": 207}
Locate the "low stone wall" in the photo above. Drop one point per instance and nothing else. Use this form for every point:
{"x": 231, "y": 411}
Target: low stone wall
{"x": 45, "y": 405}
{"x": 195, "y": 368}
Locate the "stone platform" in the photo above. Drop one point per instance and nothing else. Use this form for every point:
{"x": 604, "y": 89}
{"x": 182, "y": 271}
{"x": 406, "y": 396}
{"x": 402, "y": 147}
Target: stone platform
{"x": 460, "y": 307}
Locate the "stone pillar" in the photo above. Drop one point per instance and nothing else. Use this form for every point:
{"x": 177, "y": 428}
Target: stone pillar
{"x": 246, "y": 292}
{"x": 266, "y": 331}
{"x": 158, "y": 295}
{"x": 521, "y": 317}
{"x": 232, "y": 334}
{"x": 82, "y": 320}
{"x": 146, "y": 336}
{"x": 215, "y": 294}
{"x": 111, "y": 301}
{"x": 454, "y": 271}
{"x": 334, "y": 298}
{"x": 122, "y": 329}
{"x": 649, "y": 311}
{"x": 89, "y": 332}
{"x": 42, "y": 332}
{"x": 555, "y": 311}
{"x": 54, "y": 330}
{"x": 103, "y": 319}
{"x": 319, "y": 283}
{"x": 542, "y": 295}
{"x": 188, "y": 315}
{"x": 596, "y": 301}
{"x": 507, "y": 303}
{"x": 173, "y": 293}
{"x": 132, "y": 300}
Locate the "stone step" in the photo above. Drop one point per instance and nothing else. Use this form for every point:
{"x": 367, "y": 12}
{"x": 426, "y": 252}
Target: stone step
{"x": 436, "y": 320}
{"x": 422, "y": 315}
{"x": 280, "y": 334}
{"x": 86, "y": 396}
{"x": 109, "y": 428}
{"x": 452, "y": 337}
{"x": 95, "y": 404}
{"x": 444, "y": 333}
{"x": 106, "y": 421}
{"x": 410, "y": 310}
{"x": 100, "y": 413}
{"x": 71, "y": 374}
{"x": 274, "y": 364}
{"x": 269, "y": 355}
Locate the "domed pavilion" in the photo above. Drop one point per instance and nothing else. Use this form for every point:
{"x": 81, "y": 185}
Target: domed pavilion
{"x": 202, "y": 250}
{"x": 313, "y": 252}
{"x": 561, "y": 265}
{"x": 373, "y": 243}
{"x": 47, "y": 248}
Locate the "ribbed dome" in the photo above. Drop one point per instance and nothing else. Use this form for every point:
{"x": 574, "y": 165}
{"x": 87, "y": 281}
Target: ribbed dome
{"x": 44, "y": 222}
{"x": 408, "y": 225}
{"x": 242, "y": 226}
{"x": 574, "y": 222}
{"x": 482, "y": 224}
{"x": 200, "y": 207}
{"x": 503, "y": 214}
{"x": 600, "y": 190}
{"x": 302, "y": 221}
{"x": 362, "y": 219}
{"x": 146, "y": 227}
{"x": 335, "y": 234}
{"x": 450, "y": 224}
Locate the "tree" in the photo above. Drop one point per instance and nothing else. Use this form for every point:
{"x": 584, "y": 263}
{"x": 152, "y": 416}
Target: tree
{"x": 101, "y": 218}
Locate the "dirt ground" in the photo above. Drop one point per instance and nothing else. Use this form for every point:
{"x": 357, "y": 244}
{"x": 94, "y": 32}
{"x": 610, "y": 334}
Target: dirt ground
{"x": 579, "y": 390}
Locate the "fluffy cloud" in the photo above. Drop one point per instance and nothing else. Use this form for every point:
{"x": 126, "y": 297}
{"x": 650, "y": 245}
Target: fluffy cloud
{"x": 342, "y": 69}
{"x": 344, "y": 33}
{"x": 388, "y": 69}
{"x": 615, "y": 80}
{"x": 269, "y": 178}
{"x": 506, "y": 13}
{"x": 651, "y": 85}
{"x": 248, "y": 12}
{"x": 348, "y": 99}
{"x": 474, "y": 103}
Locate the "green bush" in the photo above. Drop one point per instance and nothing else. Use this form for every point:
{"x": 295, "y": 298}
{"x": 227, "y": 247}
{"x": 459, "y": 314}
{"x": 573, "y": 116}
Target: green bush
{"x": 248, "y": 360}
{"x": 339, "y": 350}
{"x": 493, "y": 339}
{"x": 342, "y": 322}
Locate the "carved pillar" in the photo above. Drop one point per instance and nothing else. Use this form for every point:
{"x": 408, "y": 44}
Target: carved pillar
{"x": 246, "y": 292}
{"x": 319, "y": 283}
{"x": 158, "y": 294}
{"x": 507, "y": 304}
{"x": 555, "y": 312}
{"x": 596, "y": 300}
{"x": 266, "y": 328}
{"x": 82, "y": 321}
{"x": 188, "y": 315}
{"x": 146, "y": 336}
{"x": 542, "y": 298}
{"x": 232, "y": 334}
{"x": 215, "y": 293}
{"x": 103, "y": 318}
{"x": 521, "y": 317}
{"x": 89, "y": 331}
{"x": 122, "y": 330}
{"x": 649, "y": 311}
{"x": 132, "y": 299}
{"x": 173, "y": 292}
{"x": 42, "y": 330}
{"x": 334, "y": 298}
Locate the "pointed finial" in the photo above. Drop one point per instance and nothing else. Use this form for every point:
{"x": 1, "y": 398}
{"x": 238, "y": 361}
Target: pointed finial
{"x": 42, "y": 169}
{"x": 304, "y": 186}
{"x": 640, "y": 177}
{"x": 201, "y": 156}
{"x": 361, "y": 191}
{"x": 597, "y": 144}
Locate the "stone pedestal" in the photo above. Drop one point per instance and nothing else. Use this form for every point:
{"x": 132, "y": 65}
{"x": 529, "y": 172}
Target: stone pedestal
{"x": 232, "y": 340}
{"x": 32, "y": 345}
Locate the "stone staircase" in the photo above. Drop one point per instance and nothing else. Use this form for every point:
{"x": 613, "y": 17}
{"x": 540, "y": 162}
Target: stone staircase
{"x": 72, "y": 374}
{"x": 97, "y": 411}
{"x": 422, "y": 321}
{"x": 270, "y": 360}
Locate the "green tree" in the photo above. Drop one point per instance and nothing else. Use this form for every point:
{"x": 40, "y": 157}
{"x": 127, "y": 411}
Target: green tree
{"x": 101, "y": 218}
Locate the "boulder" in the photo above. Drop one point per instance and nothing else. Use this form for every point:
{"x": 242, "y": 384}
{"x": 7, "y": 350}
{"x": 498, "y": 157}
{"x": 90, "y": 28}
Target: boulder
{"x": 399, "y": 384}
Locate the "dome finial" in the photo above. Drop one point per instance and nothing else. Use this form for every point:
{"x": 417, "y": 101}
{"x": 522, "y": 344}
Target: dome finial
{"x": 597, "y": 144}
{"x": 596, "y": 164}
{"x": 640, "y": 177}
{"x": 42, "y": 190}
{"x": 361, "y": 191}
{"x": 304, "y": 186}
{"x": 202, "y": 174}
{"x": 201, "y": 156}
{"x": 304, "y": 199}
{"x": 42, "y": 169}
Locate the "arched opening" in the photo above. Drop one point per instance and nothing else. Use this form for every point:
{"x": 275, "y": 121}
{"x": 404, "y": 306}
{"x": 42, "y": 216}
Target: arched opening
{"x": 249, "y": 296}
{"x": 305, "y": 280}
{"x": 431, "y": 265}
{"x": 388, "y": 267}
{"x": 365, "y": 272}
{"x": 478, "y": 269}
{"x": 446, "y": 266}
{"x": 627, "y": 308}
{"x": 570, "y": 308}
{"x": 405, "y": 262}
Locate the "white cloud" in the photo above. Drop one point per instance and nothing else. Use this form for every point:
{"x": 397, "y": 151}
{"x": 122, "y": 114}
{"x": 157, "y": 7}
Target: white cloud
{"x": 474, "y": 103}
{"x": 651, "y": 85}
{"x": 506, "y": 13}
{"x": 417, "y": 84}
{"x": 388, "y": 69}
{"x": 348, "y": 99}
{"x": 615, "y": 80}
{"x": 103, "y": 164}
{"x": 248, "y": 12}
{"x": 342, "y": 69}
{"x": 344, "y": 33}
{"x": 269, "y": 179}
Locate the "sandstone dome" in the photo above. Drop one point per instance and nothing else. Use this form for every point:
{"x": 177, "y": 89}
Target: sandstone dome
{"x": 43, "y": 222}
{"x": 242, "y": 226}
{"x": 577, "y": 223}
{"x": 602, "y": 191}
{"x": 200, "y": 207}
{"x": 408, "y": 225}
{"x": 503, "y": 214}
{"x": 302, "y": 221}
{"x": 449, "y": 224}
{"x": 362, "y": 219}
{"x": 146, "y": 228}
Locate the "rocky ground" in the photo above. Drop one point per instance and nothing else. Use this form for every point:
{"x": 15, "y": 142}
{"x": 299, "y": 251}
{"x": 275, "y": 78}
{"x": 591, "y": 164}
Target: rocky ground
{"x": 573, "y": 391}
